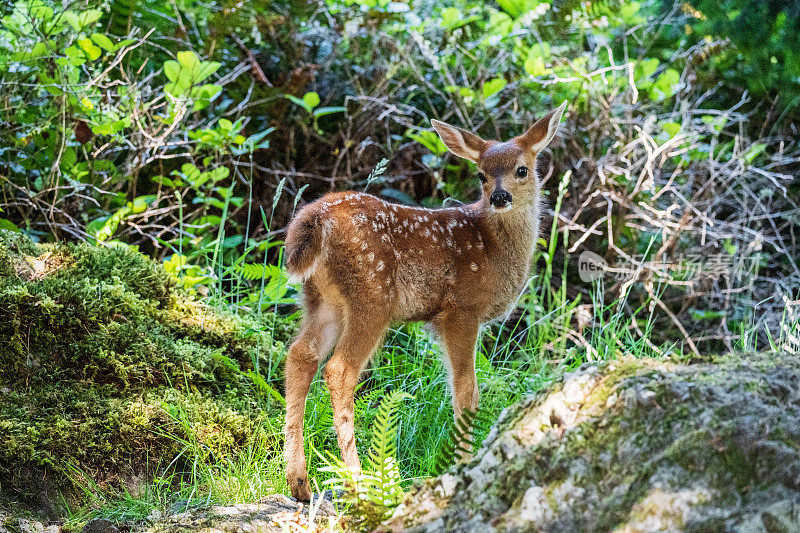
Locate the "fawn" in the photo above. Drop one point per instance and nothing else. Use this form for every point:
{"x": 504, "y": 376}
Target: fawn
{"x": 366, "y": 263}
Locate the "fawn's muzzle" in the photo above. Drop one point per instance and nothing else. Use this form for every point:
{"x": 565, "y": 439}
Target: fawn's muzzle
{"x": 500, "y": 198}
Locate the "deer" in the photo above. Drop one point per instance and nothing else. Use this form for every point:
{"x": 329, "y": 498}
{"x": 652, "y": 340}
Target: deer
{"x": 366, "y": 264}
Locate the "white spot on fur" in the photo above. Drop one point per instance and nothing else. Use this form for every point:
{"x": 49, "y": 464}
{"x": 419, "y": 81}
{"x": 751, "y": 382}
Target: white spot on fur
{"x": 371, "y": 257}
{"x": 364, "y": 245}
{"x": 473, "y": 267}
{"x": 379, "y": 266}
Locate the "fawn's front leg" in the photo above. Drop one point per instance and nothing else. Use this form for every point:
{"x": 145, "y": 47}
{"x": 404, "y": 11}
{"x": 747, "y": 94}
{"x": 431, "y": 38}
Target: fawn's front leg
{"x": 317, "y": 336}
{"x": 357, "y": 343}
{"x": 459, "y": 333}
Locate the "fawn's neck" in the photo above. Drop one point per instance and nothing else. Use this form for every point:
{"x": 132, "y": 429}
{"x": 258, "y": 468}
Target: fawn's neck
{"x": 514, "y": 233}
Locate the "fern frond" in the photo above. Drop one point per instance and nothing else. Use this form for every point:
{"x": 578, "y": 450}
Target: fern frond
{"x": 121, "y": 13}
{"x": 258, "y": 271}
{"x": 382, "y": 456}
{"x": 374, "y": 493}
{"x": 461, "y": 437}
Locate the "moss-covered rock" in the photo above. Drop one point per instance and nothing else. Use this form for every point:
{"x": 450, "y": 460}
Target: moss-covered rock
{"x": 634, "y": 445}
{"x": 105, "y": 365}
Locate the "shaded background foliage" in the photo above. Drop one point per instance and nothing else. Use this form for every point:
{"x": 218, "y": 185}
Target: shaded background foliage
{"x": 107, "y": 137}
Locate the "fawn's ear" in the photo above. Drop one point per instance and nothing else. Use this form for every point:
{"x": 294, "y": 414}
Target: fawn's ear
{"x": 460, "y": 142}
{"x": 540, "y": 134}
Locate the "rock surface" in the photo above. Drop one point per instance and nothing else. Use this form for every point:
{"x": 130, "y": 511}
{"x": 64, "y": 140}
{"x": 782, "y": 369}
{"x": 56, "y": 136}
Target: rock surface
{"x": 633, "y": 446}
{"x": 274, "y": 513}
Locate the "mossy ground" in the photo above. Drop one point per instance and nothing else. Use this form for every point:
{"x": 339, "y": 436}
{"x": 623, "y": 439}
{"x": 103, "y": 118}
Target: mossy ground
{"x": 107, "y": 368}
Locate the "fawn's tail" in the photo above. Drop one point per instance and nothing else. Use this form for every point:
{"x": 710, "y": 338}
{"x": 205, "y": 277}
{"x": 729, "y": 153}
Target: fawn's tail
{"x": 304, "y": 240}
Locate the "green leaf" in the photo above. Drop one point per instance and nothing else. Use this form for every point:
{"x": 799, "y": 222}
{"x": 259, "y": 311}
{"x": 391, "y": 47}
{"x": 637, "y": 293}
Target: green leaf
{"x": 103, "y": 42}
{"x": 672, "y": 128}
{"x": 8, "y": 225}
{"x": 190, "y": 172}
{"x": 705, "y": 314}
{"x": 188, "y": 60}
{"x": 311, "y": 100}
{"x": 232, "y": 242}
{"x": 90, "y": 16}
{"x": 493, "y": 87}
{"x": 253, "y": 141}
{"x": 535, "y": 63}
{"x": 322, "y": 111}
{"x": 535, "y": 66}
{"x": 68, "y": 159}
{"x": 172, "y": 70}
{"x": 297, "y": 101}
{"x": 92, "y": 51}
{"x": 515, "y": 8}
{"x": 665, "y": 85}
{"x": 79, "y": 21}
{"x": 499, "y": 25}
{"x": 450, "y": 18}
{"x": 642, "y": 72}
{"x": 206, "y": 69}
{"x": 219, "y": 173}
{"x": 754, "y": 151}
{"x": 428, "y": 139}
{"x": 204, "y": 95}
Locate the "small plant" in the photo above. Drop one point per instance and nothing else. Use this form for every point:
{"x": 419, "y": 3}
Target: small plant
{"x": 372, "y": 495}
{"x": 461, "y": 440}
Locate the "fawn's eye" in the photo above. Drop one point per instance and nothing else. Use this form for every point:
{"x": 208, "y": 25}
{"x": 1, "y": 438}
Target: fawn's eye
{"x": 481, "y": 177}
{"x": 522, "y": 172}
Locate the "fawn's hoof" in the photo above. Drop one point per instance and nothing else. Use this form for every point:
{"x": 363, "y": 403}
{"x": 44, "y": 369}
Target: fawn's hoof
{"x": 301, "y": 491}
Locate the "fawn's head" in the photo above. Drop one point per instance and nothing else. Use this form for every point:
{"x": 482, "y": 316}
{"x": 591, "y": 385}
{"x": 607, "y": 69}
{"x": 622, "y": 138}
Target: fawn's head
{"x": 506, "y": 169}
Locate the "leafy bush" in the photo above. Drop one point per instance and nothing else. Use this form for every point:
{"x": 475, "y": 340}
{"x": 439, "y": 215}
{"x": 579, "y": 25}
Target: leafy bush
{"x": 761, "y": 51}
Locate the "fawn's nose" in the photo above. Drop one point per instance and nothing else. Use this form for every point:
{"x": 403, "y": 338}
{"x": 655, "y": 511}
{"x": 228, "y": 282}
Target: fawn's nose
{"x": 500, "y": 198}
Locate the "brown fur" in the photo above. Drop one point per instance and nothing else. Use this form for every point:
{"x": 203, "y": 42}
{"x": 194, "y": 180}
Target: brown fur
{"x": 367, "y": 263}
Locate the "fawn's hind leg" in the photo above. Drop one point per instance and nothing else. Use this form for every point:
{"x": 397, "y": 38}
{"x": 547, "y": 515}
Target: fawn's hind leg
{"x": 318, "y": 334}
{"x": 355, "y": 347}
